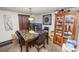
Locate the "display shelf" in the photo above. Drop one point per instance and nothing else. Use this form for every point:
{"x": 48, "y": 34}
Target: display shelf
{"x": 59, "y": 34}
{"x": 65, "y": 27}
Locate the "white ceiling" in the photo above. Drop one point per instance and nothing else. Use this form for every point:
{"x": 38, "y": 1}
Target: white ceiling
{"x": 35, "y": 10}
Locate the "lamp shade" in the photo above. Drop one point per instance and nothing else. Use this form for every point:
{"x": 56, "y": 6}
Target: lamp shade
{"x": 31, "y": 18}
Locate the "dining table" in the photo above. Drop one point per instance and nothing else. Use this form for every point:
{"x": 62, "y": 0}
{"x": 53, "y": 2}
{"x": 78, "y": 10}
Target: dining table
{"x": 28, "y": 37}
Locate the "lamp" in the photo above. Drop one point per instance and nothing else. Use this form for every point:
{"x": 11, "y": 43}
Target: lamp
{"x": 30, "y": 12}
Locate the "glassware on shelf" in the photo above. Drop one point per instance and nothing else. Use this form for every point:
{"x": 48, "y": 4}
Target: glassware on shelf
{"x": 67, "y": 35}
{"x": 59, "y": 27}
{"x": 58, "y": 34}
{"x": 59, "y": 23}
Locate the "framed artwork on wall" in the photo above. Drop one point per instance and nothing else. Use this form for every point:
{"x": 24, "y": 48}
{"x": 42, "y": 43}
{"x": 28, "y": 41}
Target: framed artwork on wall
{"x": 47, "y": 19}
{"x": 7, "y": 22}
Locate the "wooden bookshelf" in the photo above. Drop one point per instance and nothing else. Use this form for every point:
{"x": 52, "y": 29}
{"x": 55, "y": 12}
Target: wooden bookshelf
{"x": 65, "y": 27}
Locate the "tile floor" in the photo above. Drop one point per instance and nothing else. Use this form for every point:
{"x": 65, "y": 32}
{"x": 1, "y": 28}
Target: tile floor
{"x": 14, "y": 47}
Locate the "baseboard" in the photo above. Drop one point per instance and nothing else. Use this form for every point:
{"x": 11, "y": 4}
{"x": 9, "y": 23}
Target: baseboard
{"x": 5, "y": 43}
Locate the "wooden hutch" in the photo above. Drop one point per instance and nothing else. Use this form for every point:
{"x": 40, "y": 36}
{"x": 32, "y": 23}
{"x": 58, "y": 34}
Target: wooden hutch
{"x": 65, "y": 27}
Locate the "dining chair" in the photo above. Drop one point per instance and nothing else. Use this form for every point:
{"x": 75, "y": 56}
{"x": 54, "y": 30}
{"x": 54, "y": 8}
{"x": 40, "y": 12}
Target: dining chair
{"x": 46, "y": 28}
{"x": 40, "y": 42}
{"x": 47, "y": 37}
{"x": 21, "y": 40}
{"x": 46, "y": 33}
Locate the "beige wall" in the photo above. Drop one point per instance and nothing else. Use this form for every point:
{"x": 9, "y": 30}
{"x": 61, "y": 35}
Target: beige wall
{"x": 6, "y": 35}
{"x": 39, "y": 19}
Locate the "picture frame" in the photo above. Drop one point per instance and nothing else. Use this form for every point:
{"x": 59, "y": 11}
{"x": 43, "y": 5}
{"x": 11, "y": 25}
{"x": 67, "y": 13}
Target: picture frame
{"x": 8, "y": 22}
{"x": 47, "y": 19}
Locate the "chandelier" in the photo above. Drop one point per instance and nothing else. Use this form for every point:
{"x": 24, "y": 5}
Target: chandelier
{"x": 30, "y": 12}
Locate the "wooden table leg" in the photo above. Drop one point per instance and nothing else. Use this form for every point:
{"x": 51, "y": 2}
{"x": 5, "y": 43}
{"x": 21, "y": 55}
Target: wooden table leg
{"x": 47, "y": 40}
{"x": 27, "y": 47}
{"x": 33, "y": 43}
{"x": 47, "y": 37}
{"x": 44, "y": 44}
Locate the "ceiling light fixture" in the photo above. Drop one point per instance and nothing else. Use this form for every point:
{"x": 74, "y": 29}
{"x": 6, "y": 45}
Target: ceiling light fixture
{"x": 30, "y": 12}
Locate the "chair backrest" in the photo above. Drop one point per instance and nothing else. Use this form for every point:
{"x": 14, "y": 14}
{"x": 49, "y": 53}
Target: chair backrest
{"x": 41, "y": 39}
{"x": 46, "y": 28}
{"x": 20, "y": 38}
